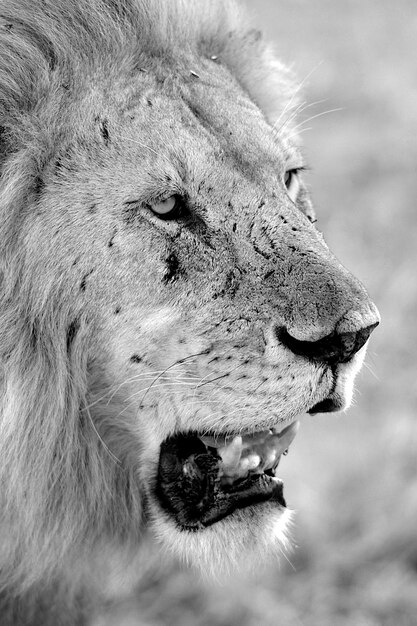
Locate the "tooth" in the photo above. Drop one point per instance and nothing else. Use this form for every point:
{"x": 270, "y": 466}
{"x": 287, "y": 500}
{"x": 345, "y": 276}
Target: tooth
{"x": 243, "y": 465}
{"x": 254, "y": 461}
{"x": 281, "y": 442}
{"x": 270, "y": 459}
{"x": 231, "y": 454}
{"x": 243, "y": 469}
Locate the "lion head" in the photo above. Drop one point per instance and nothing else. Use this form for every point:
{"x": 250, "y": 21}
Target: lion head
{"x": 168, "y": 307}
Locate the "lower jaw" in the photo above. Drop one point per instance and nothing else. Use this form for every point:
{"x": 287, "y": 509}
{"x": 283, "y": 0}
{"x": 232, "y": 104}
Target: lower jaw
{"x": 196, "y": 500}
{"x": 244, "y": 541}
{"x": 225, "y": 506}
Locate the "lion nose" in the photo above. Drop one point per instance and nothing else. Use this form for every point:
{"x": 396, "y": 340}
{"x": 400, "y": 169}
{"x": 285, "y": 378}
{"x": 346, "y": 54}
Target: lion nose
{"x": 336, "y": 347}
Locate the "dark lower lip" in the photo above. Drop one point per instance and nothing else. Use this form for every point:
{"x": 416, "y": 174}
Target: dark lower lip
{"x": 196, "y": 498}
{"x": 328, "y": 405}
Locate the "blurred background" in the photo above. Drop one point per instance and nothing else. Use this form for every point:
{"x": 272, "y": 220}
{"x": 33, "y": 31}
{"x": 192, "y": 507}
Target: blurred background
{"x": 352, "y": 479}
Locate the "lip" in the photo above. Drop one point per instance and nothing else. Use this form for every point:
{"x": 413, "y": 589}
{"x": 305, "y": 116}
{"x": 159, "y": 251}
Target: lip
{"x": 331, "y": 404}
{"x": 339, "y": 395}
{"x": 204, "y": 478}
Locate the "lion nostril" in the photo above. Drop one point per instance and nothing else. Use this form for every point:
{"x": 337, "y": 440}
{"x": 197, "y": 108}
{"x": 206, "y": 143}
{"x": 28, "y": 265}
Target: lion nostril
{"x": 333, "y": 349}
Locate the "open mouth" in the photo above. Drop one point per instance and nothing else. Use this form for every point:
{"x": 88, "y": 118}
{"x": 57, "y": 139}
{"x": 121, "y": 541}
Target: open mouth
{"x": 204, "y": 478}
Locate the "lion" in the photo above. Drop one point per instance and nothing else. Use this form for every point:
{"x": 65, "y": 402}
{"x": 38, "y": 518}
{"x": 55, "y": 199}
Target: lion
{"x": 168, "y": 307}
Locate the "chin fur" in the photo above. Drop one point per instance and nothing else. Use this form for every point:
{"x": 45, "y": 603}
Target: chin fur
{"x": 239, "y": 543}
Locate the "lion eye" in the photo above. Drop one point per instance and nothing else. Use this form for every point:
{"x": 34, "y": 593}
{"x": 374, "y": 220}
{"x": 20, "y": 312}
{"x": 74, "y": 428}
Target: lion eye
{"x": 168, "y": 209}
{"x": 292, "y": 183}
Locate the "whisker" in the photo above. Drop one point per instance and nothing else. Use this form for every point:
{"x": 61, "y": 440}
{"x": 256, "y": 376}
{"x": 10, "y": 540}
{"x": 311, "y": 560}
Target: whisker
{"x": 114, "y": 389}
{"x": 313, "y": 117}
{"x": 287, "y": 558}
{"x": 300, "y": 109}
{"x": 180, "y": 361}
{"x": 298, "y": 133}
{"x": 297, "y": 90}
{"x": 143, "y": 145}
{"x": 219, "y": 420}
{"x": 105, "y": 446}
{"x": 260, "y": 384}
{"x": 221, "y": 376}
{"x": 196, "y": 387}
{"x": 207, "y": 382}
{"x": 169, "y": 383}
{"x": 369, "y": 367}
{"x": 142, "y": 376}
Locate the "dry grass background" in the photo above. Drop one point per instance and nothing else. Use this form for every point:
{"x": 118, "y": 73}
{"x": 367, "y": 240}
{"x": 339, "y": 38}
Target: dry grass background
{"x": 352, "y": 478}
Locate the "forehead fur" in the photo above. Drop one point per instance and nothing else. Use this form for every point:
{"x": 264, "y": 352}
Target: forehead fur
{"x": 50, "y": 46}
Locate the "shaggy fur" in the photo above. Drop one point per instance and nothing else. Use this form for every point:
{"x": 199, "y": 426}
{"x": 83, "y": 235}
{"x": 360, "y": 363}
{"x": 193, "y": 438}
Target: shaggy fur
{"x": 70, "y": 483}
{"x": 60, "y": 494}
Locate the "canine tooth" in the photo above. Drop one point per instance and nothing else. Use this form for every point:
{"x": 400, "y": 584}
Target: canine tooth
{"x": 231, "y": 454}
{"x": 270, "y": 459}
{"x": 254, "y": 461}
{"x": 243, "y": 466}
{"x": 283, "y": 439}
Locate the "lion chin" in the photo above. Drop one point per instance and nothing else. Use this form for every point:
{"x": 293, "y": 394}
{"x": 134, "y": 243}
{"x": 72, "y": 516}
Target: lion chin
{"x": 242, "y": 542}
{"x": 168, "y": 308}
